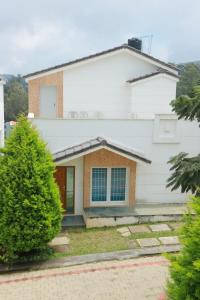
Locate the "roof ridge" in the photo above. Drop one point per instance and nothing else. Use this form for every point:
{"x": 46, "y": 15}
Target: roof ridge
{"x": 94, "y": 143}
{"x": 123, "y": 46}
{"x": 159, "y": 71}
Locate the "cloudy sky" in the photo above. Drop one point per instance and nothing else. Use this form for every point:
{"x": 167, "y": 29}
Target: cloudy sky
{"x": 41, "y": 33}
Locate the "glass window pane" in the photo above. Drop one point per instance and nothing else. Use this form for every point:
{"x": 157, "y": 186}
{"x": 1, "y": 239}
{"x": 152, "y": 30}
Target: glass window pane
{"x": 99, "y": 184}
{"x": 70, "y": 190}
{"x": 118, "y": 184}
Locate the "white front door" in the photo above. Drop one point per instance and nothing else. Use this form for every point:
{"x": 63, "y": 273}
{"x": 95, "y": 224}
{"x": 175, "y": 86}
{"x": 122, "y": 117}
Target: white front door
{"x": 48, "y": 101}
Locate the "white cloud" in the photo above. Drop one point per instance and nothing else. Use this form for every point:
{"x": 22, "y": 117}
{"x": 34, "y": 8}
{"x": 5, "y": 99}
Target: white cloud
{"x": 38, "y": 35}
{"x": 33, "y": 37}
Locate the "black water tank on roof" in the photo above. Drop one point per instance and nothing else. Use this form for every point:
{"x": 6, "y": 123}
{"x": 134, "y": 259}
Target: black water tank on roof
{"x": 135, "y": 43}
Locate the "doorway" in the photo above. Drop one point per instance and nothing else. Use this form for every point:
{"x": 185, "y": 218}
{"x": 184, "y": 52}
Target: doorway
{"x": 65, "y": 178}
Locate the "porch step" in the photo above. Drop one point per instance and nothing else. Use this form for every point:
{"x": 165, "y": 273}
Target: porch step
{"x": 72, "y": 221}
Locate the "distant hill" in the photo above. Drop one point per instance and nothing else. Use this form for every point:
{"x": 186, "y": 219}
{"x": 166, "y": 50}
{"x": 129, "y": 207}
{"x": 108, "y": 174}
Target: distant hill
{"x": 15, "y": 96}
{"x": 196, "y": 62}
{"x": 189, "y": 76}
{"x": 10, "y": 77}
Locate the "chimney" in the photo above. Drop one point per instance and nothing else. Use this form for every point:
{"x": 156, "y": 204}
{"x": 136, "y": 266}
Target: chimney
{"x": 135, "y": 43}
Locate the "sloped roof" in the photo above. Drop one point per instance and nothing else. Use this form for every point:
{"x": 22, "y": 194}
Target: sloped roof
{"x": 94, "y": 144}
{"x": 152, "y": 75}
{"x": 124, "y": 46}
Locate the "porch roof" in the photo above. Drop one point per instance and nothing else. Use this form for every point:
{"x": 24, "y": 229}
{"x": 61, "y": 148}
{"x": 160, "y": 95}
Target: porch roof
{"x": 97, "y": 144}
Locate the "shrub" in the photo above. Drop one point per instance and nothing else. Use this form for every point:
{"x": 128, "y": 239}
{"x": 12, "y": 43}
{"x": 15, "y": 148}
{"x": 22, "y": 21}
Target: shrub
{"x": 30, "y": 209}
{"x": 185, "y": 268}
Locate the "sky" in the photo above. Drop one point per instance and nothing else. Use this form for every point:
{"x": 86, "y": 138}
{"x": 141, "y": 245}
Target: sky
{"x": 42, "y": 33}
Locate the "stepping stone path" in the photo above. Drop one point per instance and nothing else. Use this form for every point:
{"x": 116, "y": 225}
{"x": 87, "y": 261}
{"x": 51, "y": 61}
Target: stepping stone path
{"x": 139, "y": 229}
{"x": 60, "y": 243}
{"x": 176, "y": 225}
{"x": 132, "y": 244}
{"x": 169, "y": 240}
{"x": 148, "y": 242}
{"x": 159, "y": 227}
{"x": 124, "y": 231}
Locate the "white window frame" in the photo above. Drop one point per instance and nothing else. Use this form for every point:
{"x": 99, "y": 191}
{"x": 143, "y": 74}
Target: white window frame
{"x": 108, "y": 201}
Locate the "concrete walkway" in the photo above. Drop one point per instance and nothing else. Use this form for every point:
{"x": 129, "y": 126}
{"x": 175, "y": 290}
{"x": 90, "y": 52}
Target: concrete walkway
{"x": 114, "y": 280}
{"x": 92, "y": 258}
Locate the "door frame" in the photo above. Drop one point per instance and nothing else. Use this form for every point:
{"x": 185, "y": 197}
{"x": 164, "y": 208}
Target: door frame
{"x": 64, "y": 203}
{"x": 74, "y": 173}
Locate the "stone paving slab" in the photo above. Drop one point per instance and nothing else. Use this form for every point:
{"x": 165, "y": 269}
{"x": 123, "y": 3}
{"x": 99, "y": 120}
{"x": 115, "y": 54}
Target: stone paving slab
{"x": 60, "y": 244}
{"x": 123, "y": 230}
{"x": 126, "y": 234}
{"x": 169, "y": 240}
{"x": 139, "y": 229}
{"x": 159, "y": 227}
{"x": 132, "y": 244}
{"x": 148, "y": 242}
{"x": 176, "y": 225}
{"x": 60, "y": 240}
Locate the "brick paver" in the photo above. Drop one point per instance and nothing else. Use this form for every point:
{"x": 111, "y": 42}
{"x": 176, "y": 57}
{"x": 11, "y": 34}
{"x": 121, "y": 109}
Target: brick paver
{"x": 101, "y": 281}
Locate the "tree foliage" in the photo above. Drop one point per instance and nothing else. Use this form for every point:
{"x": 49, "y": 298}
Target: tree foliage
{"x": 186, "y": 173}
{"x": 184, "y": 283}
{"x": 186, "y": 170}
{"x": 15, "y": 98}
{"x": 30, "y": 211}
{"x": 189, "y": 77}
{"x": 185, "y": 268}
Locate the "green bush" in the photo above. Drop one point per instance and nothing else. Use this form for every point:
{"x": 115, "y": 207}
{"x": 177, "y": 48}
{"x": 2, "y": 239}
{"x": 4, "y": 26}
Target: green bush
{"x": 185, "y": 268}
{"x": 30, "y": 209}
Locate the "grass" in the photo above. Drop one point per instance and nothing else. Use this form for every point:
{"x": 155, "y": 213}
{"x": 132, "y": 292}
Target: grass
{"x": 107, "y": 239}
{"x": 85, "y": 241}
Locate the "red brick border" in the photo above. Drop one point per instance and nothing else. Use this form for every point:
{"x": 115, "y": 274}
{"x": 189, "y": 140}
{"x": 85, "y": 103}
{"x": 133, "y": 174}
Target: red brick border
{"x": 82, "y": 271}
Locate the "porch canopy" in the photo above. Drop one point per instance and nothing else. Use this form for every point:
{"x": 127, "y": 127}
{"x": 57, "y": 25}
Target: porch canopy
{"x": 72, "y": 152}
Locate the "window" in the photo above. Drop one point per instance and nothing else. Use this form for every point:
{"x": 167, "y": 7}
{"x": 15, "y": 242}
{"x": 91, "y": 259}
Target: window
{"x": 99, "y": 184}
{"x": 118, "y": 184}
{"x": 109, "y": 185}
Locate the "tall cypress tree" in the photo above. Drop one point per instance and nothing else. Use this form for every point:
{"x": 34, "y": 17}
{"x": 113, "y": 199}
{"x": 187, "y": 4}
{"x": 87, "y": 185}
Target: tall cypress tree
{"x": 30, "y": 210}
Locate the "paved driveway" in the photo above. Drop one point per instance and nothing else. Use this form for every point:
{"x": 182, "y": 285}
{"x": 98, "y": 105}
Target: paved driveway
{"x": 137, "y": 279}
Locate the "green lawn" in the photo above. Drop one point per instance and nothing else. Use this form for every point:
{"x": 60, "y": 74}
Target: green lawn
{"x": 107, "y": 239}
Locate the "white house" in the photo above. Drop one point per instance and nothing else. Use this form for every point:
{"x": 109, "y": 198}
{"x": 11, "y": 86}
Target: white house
{"x": 1, "y": 113}
{"x": 107, "y": 120}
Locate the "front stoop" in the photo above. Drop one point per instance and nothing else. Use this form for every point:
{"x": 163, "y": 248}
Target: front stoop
{"x": 72, "y": 221}
{"x": 114, "y": 216}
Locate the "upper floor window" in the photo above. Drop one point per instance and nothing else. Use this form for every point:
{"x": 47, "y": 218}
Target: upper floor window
{"x": 48, "y": 101}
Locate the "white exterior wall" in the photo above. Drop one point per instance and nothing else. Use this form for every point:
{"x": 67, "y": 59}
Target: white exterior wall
{"x": 78, "y": 164}
{"x": 139, "y": 134}
{"x": 153, "y": 95}
{"x": 100, "y": 86}
{"x": 1, "y": 114}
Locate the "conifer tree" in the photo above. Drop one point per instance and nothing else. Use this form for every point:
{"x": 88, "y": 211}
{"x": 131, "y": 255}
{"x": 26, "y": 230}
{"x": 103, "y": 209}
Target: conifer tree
{"x": 30, "y": 210}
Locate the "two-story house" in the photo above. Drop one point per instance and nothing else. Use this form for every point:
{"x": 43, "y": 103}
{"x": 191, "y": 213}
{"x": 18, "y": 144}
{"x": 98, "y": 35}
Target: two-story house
{"x": 107, "y": 120}
{"x": 1, "y": 112}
